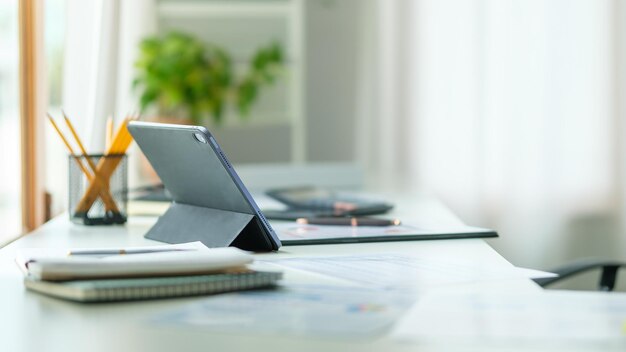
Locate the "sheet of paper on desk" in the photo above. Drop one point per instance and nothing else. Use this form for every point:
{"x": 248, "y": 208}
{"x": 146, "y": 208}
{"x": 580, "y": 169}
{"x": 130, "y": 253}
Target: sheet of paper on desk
{"x": 313, "y": 310}
{"x": 545, "y": 315}
{"x": 390, "y": 270}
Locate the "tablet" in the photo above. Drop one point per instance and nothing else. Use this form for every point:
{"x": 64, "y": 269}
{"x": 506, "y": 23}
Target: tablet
{"x": 210, "y": 203}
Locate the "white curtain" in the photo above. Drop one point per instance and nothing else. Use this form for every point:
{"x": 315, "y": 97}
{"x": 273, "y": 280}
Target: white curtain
{"x": 101, "y": 44}
{"x": 509, "y": 111}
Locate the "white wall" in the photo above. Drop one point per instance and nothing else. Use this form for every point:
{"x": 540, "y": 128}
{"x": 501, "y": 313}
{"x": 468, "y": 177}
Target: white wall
{"x": 333, "y": 39}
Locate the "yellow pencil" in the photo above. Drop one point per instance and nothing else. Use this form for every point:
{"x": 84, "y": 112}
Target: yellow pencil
{"x": 69, "y": 148}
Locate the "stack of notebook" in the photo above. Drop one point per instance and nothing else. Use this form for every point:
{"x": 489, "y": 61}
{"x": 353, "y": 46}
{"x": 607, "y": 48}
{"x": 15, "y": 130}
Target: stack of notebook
{"x": 94, "y": 275}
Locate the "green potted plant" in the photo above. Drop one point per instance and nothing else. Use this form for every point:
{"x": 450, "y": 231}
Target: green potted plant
{"x": 183, "y": 78}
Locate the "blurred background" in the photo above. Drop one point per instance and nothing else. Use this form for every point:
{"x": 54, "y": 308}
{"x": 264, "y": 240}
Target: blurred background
{"x": 509, "y": 111}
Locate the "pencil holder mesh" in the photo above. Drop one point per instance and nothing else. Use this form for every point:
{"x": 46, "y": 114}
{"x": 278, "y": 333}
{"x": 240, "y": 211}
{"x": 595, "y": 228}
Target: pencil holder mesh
{"x": 102, "y": 197}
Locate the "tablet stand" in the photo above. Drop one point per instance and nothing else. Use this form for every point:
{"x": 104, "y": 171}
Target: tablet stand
{"x": 213, "y": 227}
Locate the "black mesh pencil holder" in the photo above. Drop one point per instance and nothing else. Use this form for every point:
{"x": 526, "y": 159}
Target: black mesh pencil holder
{"x": 100, "y": 197}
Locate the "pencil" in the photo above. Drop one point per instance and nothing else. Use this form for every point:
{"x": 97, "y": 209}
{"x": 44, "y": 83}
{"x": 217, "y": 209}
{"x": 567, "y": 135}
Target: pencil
{"x": 352, "y": 221}
{"x": 78, "y": 142}
{"x": 123, "y": 251}
{"x": 69, "y": 148}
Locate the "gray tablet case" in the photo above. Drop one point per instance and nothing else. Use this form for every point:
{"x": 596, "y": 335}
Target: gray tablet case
{"x": 210, "y": 203}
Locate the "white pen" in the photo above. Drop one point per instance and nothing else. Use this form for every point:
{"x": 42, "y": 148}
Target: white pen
{"x": 123, "y": 251}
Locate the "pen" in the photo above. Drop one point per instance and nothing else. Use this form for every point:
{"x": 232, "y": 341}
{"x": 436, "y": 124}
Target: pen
{"x": 348, "y": 221}
{"x": 122, "y": 251}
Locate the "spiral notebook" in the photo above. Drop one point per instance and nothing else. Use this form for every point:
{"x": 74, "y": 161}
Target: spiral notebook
{"x": 103, "y": 290}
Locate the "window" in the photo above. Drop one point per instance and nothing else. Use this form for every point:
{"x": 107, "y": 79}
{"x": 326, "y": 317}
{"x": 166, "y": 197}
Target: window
{"x": 54, "y": 35}
{"x": 10, "y": 201}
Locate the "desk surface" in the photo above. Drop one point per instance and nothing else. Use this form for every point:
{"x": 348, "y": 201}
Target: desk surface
{"x": 33, "y": 322}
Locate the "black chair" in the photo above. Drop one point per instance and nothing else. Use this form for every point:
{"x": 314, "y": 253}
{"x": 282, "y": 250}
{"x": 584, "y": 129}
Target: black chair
{"x": 608, "y": 275}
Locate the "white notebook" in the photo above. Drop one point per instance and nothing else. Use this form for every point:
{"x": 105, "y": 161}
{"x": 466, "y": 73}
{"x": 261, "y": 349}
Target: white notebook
{"x": 56, "y": 264}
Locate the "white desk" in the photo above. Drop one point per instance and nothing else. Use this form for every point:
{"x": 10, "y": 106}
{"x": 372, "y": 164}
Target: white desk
{"x": 33, "y": 322}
